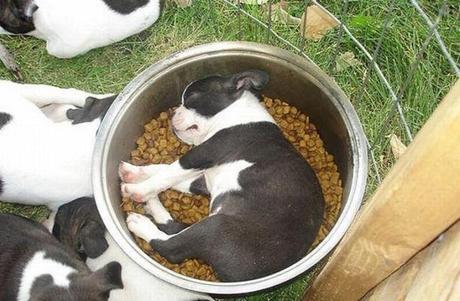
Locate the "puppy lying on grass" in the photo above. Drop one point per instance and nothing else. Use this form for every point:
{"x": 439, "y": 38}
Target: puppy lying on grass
{"x": 79, "y": 226}
{"x": 73, "y": 27}
{"x": 34, "y": 266}
{"x": 47, "y": 136}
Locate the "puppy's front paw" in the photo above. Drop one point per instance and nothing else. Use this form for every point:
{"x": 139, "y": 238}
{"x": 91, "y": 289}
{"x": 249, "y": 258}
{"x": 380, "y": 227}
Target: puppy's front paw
{"x": 129, "y": 173}
{"x": 134, "y": 192}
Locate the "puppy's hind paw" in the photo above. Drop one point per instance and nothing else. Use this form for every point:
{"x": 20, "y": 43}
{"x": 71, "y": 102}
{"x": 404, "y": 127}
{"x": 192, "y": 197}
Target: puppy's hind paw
{"x": 142, "y": 227}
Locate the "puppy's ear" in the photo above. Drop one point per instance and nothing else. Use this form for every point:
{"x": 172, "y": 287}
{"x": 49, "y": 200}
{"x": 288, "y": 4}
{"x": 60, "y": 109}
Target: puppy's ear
{"x": 251, "y": 80}
{"x": 92, "y": 239}
{"x": 108, "y": 277}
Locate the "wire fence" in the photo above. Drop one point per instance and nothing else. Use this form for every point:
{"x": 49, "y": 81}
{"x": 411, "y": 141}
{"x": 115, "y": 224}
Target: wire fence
{"x": 391, "y": 117}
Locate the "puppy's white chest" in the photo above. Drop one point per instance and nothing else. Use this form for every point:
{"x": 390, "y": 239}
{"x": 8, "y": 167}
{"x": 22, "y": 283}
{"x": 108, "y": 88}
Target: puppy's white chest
{"x": 224, "y": 177}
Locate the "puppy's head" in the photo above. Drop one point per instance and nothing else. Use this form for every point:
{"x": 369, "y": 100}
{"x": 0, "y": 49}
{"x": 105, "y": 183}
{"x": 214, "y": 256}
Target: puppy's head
{"x": 79, "y": 226}
{"x": 95, "y": 286}
{"x": 16, "y": 16}
{"x": 203, "y": 99}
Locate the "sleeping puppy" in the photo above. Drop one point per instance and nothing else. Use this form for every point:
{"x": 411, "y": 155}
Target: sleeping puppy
{"x": 74, "y": 27}
{"x": 34, "y": 266}
{"x": 266, "y": 202}
{"x": 79, "y": 226}
{"x": 43, "y": 162}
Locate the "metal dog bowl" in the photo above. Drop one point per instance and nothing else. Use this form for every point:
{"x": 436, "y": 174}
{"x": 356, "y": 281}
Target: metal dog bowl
{"x": 292, "y": 79}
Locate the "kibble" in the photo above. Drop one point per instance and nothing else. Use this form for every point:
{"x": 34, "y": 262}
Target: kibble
{"x": 158, "y": 145}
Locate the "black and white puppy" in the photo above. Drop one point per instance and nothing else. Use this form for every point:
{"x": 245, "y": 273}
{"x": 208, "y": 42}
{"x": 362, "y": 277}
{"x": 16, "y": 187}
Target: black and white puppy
{"x": 74, "y": 27}
{"x": 43, "y": 161}
{"x": 34, "y": 266}
{"x": 79, "y": 226}
{"x": 266, "y": 202}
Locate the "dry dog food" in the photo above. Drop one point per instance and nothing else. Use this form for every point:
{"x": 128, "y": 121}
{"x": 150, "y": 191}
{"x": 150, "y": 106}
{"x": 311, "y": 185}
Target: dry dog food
{"x": 158, "y": 144}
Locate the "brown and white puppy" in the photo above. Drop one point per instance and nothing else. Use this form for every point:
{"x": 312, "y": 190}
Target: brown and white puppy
{"x": 79, "y": 226}
{"x": 34, "y": 266}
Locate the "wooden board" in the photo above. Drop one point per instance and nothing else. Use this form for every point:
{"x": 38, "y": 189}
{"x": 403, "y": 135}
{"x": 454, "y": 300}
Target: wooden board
{"x": 432, "y": 275}
{"x": 417, "y": 201}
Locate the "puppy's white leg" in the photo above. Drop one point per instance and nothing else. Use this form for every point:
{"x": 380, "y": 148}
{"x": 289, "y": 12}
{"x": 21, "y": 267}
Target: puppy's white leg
{"x": 42, "y": 95}
{"x": 167, "y": 177}
{"x": 143, "y": 227}
{"x": 130, "y": 173}
{"x": 155, "y": 208}
{"x": 135, "y": 174}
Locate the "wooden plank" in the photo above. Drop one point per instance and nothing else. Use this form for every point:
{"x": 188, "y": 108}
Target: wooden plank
{"x": 417, "y": 200}
{"x": 432, "y": 275}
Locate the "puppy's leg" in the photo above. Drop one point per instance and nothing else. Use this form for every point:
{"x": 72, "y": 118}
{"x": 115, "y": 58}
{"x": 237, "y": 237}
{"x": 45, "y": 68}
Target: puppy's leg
{"x": 42, "y": 95}
{"x": 190, "y": 166}
{"x": 168, "y": 177}
{"x": 130, "y": 173}
{"x": 183, "y": 245}
{"x": 162, "y": 218}
{"x": 135, "y": 174}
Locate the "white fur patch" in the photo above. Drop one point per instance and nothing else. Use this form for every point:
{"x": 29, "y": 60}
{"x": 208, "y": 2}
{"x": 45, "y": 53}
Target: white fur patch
{"x": 38, "y": 266}
{"x": 247, "y": 109}
{"x": 73, "y": 27}
{"x": 224, "y": 177}
{"x": 52, "y": 156}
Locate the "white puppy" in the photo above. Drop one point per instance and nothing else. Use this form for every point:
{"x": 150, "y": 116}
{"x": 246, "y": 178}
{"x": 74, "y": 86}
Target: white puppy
{"x": 73, "y": 27}
{"x": 43, "y": 162}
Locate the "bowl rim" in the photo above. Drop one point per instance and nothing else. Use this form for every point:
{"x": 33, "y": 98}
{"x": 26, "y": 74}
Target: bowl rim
{"x": 353, "y": 202}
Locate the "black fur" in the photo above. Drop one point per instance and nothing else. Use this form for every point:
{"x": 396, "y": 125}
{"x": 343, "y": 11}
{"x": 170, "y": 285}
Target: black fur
{"x": 93, "y": 108}
{"x": 4, "y": 119}
{"x": 125, "y": 7}
{"x": 172, "y": 227}
{"x": 199, "y": 186}
{"x": 211, "y": 95}
{"x": 21, "y": 239}
{"x": 273, "y": 220}
{"x": 78, "y": 225}
{"x": 16, "y": 15}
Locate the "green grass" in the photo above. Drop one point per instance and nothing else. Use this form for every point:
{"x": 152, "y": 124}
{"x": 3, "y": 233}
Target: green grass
{"x": 111, "y": 68}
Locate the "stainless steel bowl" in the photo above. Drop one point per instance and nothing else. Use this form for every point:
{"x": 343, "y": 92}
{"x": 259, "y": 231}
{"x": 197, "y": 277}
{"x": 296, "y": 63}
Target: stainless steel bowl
{"x": 293, "y": 79}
